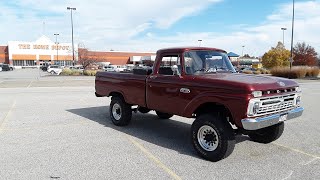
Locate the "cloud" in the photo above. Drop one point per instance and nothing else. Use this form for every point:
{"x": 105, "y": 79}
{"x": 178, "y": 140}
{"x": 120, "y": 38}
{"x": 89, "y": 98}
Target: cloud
{"x": 97, "y": 22}
{"x": 257, "y": 39}
{"x": 127, "y": 25}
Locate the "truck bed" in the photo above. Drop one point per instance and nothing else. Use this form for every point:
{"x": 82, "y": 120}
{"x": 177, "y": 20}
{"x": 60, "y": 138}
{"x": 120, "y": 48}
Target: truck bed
{"x": 132, "y": 86}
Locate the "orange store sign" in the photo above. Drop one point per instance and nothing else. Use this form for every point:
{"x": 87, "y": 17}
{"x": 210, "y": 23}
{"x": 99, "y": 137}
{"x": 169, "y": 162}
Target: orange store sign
{"x": 44, "y": 47}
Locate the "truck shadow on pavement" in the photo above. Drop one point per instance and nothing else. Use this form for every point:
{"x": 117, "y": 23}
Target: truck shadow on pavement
{"x": 167, "y": 133}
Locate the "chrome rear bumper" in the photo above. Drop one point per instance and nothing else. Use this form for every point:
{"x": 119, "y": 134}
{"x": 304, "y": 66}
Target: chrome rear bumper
{"x": 262, "y": 122}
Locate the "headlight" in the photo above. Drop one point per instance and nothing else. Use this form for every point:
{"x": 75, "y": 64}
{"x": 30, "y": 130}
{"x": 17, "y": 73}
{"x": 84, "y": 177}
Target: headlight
{"x": 298, "y": 89}
{"x": 253, "y": 107}
{"x": 257, "y": 93}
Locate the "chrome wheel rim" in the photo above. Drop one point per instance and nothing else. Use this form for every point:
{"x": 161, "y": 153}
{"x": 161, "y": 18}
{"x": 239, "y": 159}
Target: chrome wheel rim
{"x": 116, "y": 112}
{"x": 208, "y": 138}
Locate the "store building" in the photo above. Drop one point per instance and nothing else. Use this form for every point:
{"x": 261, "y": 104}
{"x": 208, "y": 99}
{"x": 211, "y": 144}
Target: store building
{"x": 118, "y": 58}
{"x": 4, "y": 57}
{"x": 22, "y": 54}
{"x": 42, "y": 51}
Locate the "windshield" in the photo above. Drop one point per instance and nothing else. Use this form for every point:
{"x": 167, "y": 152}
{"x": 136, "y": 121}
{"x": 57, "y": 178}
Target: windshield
{"x": 199, "y": 62}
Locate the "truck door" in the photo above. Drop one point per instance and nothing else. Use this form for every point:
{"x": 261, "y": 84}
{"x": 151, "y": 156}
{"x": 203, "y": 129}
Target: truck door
{"x": 166, "y": 89}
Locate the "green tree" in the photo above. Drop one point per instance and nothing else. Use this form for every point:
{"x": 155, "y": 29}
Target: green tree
{"x": 304, "y": 54}
{"x": 276, "y": 57}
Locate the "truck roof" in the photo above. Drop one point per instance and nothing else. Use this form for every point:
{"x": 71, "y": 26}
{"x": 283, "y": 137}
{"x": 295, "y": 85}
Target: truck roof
{"x": 182, "y": 49}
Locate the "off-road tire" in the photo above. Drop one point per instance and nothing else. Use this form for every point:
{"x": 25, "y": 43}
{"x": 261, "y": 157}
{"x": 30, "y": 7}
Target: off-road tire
{"x": 162, "y": 115}
{"x": 219, "y": 130}
{"x": 268, "y": 134}
{"x": 120, "y": 112}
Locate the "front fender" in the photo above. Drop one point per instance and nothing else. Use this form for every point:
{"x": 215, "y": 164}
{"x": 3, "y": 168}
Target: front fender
{"x": 237, "y": 105}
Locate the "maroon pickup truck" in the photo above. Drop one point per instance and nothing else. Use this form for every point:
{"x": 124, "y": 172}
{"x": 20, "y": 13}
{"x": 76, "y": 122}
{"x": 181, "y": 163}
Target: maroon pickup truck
{"x": 202, "y": 83}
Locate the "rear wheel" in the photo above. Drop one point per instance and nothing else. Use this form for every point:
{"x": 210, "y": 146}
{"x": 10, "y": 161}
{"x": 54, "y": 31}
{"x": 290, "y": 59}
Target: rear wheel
{"x": 212, "y": 137}
{"x": 52, "y": 72}
{"x": 162, "y": 115}
{"x": 268, "y": 134}
{"x": 120, "y": 112}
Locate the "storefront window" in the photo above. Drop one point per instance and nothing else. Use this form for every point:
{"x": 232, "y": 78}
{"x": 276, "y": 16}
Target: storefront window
{"x": 24, "y": 63}
{"x": 18, "y": 62}
{"x": 60, "y": 63}
{"x": 30, "y": 63}
{"x": 68, "y": 63}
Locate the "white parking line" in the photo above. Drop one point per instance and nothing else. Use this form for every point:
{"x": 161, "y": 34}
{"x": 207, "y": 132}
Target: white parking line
{"x": 153, "y": 158}
{"x": 5, "y": 119}
{"x": 298, "y": 151}
{"x": 30, "y": 84}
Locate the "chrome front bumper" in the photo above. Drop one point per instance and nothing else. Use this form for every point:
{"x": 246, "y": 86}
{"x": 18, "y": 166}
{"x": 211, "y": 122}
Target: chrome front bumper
{"x": 262, "y": 122}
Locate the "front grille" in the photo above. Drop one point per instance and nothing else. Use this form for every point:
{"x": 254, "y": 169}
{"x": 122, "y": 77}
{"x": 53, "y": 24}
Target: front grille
{"x": 275, "y": 104}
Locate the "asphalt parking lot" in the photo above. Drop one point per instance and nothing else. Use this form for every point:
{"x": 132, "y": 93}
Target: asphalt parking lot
{"x": 53, "y": 127}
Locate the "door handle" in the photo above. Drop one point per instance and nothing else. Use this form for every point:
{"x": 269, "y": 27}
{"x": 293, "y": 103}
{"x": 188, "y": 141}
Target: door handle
{"x": 185, "y": 90}
{"x": 152, "y": 77}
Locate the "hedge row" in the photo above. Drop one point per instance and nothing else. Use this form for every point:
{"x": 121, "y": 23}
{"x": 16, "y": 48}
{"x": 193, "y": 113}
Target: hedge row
{"x": 296, "y": 72}
{"x": 72, "y": 72}
{"x": 259, "y": 71}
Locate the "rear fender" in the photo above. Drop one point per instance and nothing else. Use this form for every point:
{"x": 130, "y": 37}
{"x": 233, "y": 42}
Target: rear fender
{"x": 118, "y": 94}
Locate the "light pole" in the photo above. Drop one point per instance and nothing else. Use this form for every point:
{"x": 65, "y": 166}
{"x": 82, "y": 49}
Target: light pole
{"x": 283, "y": 29}
{"x": 242, "y": 50}
{"x": 56, "y": 34}
{"x": 200, "y": 40}
{"x": 72, "y": 9}
{"x": 291, "y": 55}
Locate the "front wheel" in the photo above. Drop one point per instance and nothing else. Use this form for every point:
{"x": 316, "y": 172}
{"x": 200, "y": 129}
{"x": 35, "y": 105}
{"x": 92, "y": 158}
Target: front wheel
{"x": 162, "y": 115}
{"x": 52, "y": 72}
{"x": 120, "y": 112}
{"x": 212, "y": 137}
{"x": 268, "y": 134}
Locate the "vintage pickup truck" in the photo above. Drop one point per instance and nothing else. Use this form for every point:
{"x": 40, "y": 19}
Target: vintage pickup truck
{"x": 202, "y": 83}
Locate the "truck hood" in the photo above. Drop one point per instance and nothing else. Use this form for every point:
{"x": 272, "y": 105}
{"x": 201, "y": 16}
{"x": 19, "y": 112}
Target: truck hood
{"x": 246, "y": 82}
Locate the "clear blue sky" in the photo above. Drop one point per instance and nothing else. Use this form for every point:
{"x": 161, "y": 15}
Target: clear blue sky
{"x": 225, "y": 16}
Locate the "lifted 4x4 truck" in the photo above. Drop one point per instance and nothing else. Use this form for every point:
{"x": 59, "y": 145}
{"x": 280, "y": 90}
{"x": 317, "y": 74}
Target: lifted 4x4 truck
{"x": 202, "y": 83}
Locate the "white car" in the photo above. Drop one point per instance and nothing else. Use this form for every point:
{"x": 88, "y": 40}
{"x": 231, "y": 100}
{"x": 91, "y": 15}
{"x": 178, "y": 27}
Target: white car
{"x": 109, "y": 68}
{"x": 54, "y": 69}
{"x": 0, "y": 69}
{"x": 120, "y": 68}
{"x": 78, "y": 68}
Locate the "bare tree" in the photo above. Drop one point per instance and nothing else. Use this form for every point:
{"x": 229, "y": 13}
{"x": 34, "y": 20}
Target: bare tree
{"x": 86, "y": 58}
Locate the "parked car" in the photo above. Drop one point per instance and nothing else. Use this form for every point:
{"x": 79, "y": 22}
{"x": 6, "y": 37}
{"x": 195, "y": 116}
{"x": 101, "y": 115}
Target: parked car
{"x": 54, "y": 69}
{"x": 109, "y": 68}
{"x": 44, "y": 68}
{"x": 248, "y": 69}
{"x": 5, "y": 67}
{"x": 79, "y": 68}
{"x": 11, "y": 67}
{"x": 0, "y": 69}
{"x": 121, "y": 68}
{"x": 129, "y": 67}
